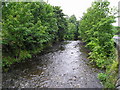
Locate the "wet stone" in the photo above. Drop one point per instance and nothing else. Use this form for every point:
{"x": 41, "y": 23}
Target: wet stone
{"x": 63, "y": 66}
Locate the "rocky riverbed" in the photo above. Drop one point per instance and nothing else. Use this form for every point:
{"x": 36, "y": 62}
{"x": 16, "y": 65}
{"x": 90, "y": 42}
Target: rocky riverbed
{"x": 65, "y": 65}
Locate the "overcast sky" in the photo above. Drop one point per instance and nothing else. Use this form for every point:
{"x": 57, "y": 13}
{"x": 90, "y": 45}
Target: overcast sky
{"x": 76, "y": 7}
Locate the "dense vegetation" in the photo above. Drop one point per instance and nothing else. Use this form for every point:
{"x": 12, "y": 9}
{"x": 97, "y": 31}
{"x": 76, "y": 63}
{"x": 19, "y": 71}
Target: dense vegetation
{"x": 28, "y": 28}
{"x": 36, "y": 25}
{"x": 117, "y": 30}
{"x": 72, "y": 31}
{"x": 96, "y": 31}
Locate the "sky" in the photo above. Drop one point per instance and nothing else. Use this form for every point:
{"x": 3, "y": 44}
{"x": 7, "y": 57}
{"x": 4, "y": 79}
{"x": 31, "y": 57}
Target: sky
{"x": 77, "y": 7}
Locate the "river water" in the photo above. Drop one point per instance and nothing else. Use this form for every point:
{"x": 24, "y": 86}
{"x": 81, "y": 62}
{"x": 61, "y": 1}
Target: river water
{"x": 65, "y": 65}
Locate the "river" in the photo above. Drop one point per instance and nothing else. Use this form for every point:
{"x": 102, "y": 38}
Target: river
{"x": 65, "y": 65}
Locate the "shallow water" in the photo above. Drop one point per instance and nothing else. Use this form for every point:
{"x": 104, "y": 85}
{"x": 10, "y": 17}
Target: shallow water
{"x": 65, "y": 65}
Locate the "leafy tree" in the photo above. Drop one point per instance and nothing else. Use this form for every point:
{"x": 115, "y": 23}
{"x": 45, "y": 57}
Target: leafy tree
{"x": 76, "y": 37}
{"x": 28, "y": 28}
{"x": 61, "y": 23}
{"x": 16, "y": 26}
{"x": 72, "y": 32}
{"x": 96, "y": 30}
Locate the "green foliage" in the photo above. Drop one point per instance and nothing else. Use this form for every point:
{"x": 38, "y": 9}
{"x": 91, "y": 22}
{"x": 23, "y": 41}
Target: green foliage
{"x": 61, "y": 23}
{"x": 96, "y": 30}
{"x": 112, "y": 75}
{"x": 102, "y": 76}
{"x": 116, "y": 30}
{"x": 109, "y": 78}
{"x": 72, "y": 31}
{"x": 28, "y": 28}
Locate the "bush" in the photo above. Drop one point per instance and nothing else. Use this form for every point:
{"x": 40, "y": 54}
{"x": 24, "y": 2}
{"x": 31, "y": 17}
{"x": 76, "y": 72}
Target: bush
{"x": 28, "y": 28}
{"x": 97, "y": 32}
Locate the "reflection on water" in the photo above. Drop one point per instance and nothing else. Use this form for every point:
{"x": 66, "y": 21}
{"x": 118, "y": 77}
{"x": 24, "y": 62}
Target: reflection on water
{"x": 63, "y": 66}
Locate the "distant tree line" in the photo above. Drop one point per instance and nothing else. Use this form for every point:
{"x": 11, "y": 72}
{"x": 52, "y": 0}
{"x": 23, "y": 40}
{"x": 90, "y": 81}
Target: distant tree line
{"x": 72, "y": 31}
